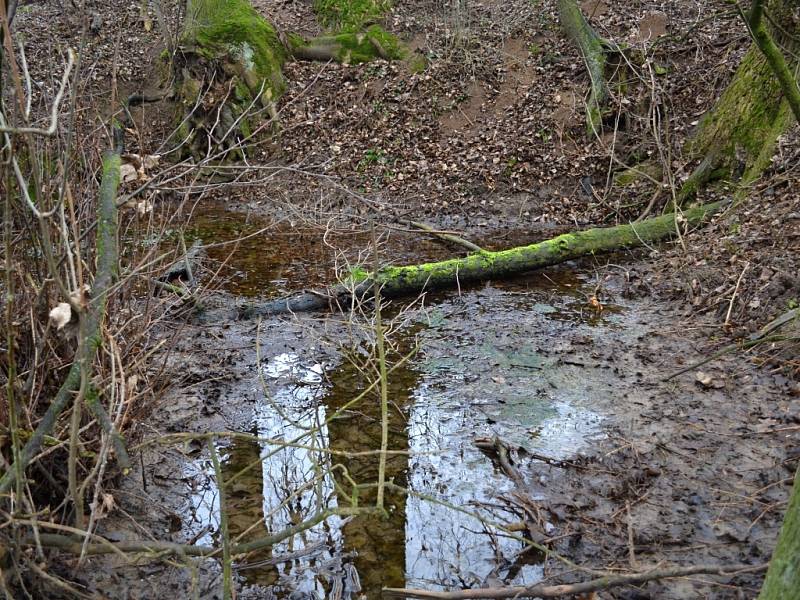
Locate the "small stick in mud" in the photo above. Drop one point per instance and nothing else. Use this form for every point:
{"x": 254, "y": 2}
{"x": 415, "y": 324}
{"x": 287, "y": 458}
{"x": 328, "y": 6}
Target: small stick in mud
{"x": 497, "y": 450}
{"x": 586, "y": 587}
{"x": 759, "y": 337}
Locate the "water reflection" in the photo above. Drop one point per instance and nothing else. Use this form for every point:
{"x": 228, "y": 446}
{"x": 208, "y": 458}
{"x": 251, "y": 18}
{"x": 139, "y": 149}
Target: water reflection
{"x": 378, "y": 541}
{"x": 479, "y": 372}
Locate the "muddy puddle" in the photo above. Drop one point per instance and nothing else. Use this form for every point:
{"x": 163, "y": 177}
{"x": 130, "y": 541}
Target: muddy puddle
{"x": 494, "y": 361}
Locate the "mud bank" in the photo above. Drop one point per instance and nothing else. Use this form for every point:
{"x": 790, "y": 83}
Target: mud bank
{"x": 557, "y": 365}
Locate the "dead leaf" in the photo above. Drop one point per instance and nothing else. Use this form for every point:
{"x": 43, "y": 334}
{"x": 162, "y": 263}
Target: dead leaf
{"x": 703, "y": 378}
{"x": 61, "y": 315}
{"x": 127, "y": 173}
{"x": 81, "y": 295}
{"x": 135, "y": 166}
{"x": 708, "y": 381}
{"x": 144, "y": 207}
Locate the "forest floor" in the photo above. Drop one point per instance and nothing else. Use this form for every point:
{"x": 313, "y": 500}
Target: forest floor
{"x": 489, "y": 141}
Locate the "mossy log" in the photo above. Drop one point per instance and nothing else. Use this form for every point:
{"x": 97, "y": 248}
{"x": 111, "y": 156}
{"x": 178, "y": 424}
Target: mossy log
{"x": 783, "y": 577}
{"x": 593, "y": 50}
{"x": 736, "y": 138}
{"x": 348, "y": 47}
{"x": 401, "y": 281}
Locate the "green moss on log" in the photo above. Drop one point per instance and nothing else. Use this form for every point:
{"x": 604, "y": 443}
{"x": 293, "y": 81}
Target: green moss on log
{"x": 349, "y": 47}
{"x": 354, "y": 36}
{"x": 783, "y": 577}
{"x": 396, "y": 281}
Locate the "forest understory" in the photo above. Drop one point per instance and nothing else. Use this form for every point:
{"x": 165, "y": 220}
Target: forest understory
{"x": 639, "y": 453}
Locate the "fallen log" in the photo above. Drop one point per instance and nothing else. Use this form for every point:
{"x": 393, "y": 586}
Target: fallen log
{"x": 395, "y": 282}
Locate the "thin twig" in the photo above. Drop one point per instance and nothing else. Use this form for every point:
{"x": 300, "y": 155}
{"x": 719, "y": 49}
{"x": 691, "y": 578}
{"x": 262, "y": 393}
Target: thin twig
{"x": 93, "y": 315}
{"x": 448, "y": 237}
{"x": 51, "y": 130}
{"x": 735, "y": 291}
{"x": 227, "y": 582}
{"x": 587, "y": 587}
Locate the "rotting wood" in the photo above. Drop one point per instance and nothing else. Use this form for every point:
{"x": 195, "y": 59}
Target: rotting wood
{"x": 402, "y": 281}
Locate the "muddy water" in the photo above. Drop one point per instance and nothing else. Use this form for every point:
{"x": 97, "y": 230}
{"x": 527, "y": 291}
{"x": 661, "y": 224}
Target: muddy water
{"x": 251, "y": 257}
{"x": 485, "y": 362}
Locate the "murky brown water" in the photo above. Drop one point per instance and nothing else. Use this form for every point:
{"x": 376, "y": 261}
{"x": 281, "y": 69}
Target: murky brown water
{"x": 483, "y": 366}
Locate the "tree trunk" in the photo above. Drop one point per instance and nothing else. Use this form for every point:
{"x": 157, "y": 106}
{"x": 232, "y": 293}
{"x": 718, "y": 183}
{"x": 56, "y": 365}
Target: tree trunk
{"x": 406, "y": 280}
{"x": 783, "y": 576}
{"x": 736, "y": 139}
{"x": 592, "y": 49}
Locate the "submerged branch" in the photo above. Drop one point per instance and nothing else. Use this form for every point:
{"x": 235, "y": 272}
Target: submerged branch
{"x": 74, "y": 544}
{"x": 446, "y": 236}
